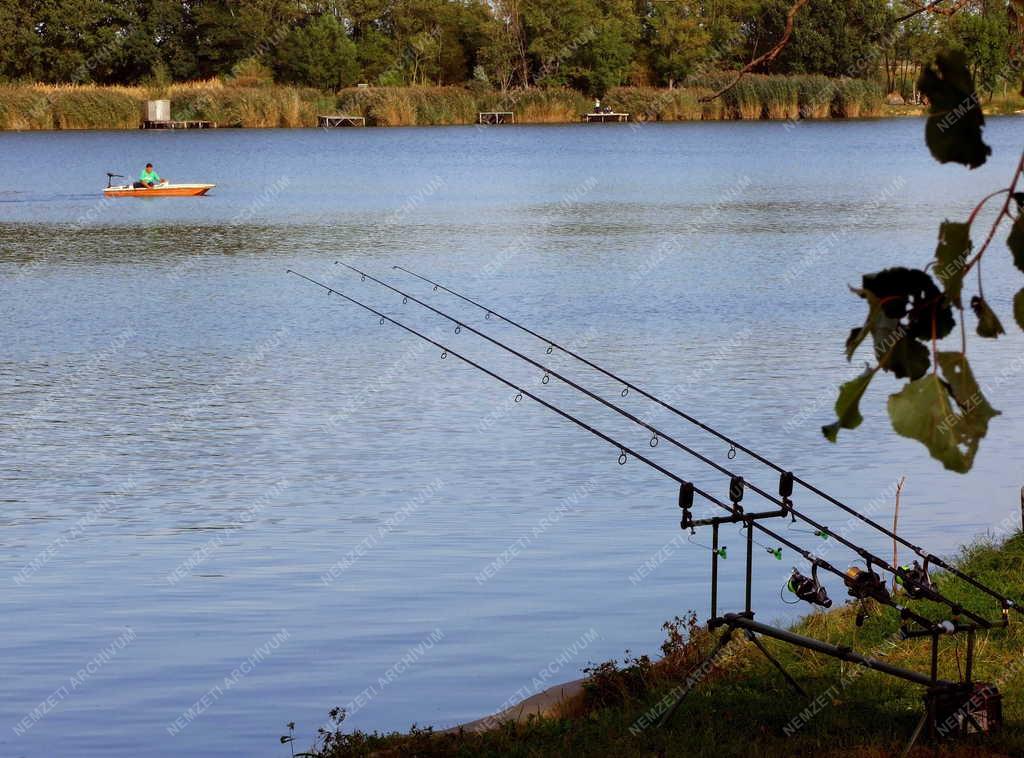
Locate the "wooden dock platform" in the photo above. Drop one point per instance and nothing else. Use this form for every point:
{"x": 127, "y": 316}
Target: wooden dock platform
{"x": 496, "y": 117}
{"x": 333, "y": 122}
{"x": 190, "y": 124}
{"x": 603, "y": 118}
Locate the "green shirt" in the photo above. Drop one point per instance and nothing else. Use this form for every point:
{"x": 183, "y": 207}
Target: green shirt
{"x": 149, "y": 176}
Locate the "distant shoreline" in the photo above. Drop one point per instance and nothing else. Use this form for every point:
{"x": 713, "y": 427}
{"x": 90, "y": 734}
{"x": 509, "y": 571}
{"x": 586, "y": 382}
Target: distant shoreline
{"x": 42, "y": 107}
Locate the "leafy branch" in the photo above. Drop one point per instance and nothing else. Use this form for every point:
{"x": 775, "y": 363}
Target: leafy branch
{"x": 910, "y": 310}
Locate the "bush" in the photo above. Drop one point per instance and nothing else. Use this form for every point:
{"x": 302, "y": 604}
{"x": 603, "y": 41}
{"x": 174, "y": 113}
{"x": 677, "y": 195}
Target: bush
{"x": 250, "y": 72}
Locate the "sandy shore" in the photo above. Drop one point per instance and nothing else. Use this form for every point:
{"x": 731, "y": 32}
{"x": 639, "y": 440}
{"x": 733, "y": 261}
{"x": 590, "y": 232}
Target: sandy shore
{"x": 542, "y": 704}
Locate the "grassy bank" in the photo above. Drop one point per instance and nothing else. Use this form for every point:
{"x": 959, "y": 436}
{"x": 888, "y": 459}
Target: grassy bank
{"x": 743, "y": 707}
{"x": 236, "y": 103}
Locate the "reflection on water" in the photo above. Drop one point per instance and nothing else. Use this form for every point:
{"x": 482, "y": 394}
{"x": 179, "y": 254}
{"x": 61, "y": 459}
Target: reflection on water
{"x": 202, "y": 450}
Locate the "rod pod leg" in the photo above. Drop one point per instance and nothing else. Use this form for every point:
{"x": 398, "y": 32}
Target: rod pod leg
{"x": 722, "y": 642}
{"x": 775, "y": 662}
{"x": 917, "y": 732}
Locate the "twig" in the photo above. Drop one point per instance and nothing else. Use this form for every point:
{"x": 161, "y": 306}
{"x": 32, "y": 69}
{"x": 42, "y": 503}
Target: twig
{"x": 932, "y": 7}
{"x": 768, "y": 57}
{"x": 895, "y": 524}
{"x": 1003, "y": 212}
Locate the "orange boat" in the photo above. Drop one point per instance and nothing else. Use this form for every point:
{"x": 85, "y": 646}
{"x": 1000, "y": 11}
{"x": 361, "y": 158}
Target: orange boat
{"x": 161, "y": 190}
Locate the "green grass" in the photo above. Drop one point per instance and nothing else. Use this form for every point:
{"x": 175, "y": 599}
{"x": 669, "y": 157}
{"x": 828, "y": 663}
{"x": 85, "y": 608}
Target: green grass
{"x": 742, "y": 708}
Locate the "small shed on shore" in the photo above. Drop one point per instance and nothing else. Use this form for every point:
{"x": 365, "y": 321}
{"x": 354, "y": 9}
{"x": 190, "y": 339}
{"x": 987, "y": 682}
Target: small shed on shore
{"x": 156, "y": 111}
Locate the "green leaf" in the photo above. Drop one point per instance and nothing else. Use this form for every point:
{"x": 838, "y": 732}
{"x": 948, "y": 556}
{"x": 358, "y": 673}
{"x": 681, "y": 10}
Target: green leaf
{"x": 907, "y": 358}
{"x": 847, "y": 405}
{"x": 951, "y": 257}
{"x": 975, "y": 410}
{"x": 953, "y": 129}
{"x": 1018, "y": 308}
{"x": 912, "y": 297}
{"x": 858, "y": 333}
{"x": 1016, "y": 242}
{"x": 923, "y": 411}
{"x": 988, "y": 322}
{"x": 877, "y": 324}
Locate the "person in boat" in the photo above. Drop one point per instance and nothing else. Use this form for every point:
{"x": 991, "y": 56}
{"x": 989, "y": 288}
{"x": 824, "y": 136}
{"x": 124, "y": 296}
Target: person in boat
{"x": 148, "y": 178}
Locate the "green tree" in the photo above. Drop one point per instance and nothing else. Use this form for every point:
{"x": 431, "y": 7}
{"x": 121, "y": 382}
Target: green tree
{"x": 678, "y": 39}
{"x": 831, "y": 37}
{"x": 319, "y": 54}
{"x": 589, "y": 44}
{"x": 21, "y": 48}
{"x": 230, "y": 31}
{"x": 985, "y": 39}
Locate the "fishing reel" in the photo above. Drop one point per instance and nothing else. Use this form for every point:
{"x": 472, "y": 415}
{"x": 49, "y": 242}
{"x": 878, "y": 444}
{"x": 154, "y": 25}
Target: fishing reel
{"x": 808, "y": 588}
{"x": 863, "y": 585}
{"x": 915, "y": 581}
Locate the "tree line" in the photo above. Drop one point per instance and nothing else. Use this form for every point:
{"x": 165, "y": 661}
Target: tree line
{"x": 590, "y": 45}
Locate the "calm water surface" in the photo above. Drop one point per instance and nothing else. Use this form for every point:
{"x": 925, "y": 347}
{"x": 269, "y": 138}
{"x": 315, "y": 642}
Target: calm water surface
{"x": 224, "y": 491}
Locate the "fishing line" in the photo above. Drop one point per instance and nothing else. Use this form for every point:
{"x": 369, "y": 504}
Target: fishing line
{"x": 624, "y": 449}
{"x": 657, "y": 433}
{"x": 722, "y": 551}
{"x": 1005, "y": 602}
{"x": 776, "y": 552}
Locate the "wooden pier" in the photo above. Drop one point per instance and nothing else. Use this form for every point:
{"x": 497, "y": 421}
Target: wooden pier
{"x": 496, "y": 117}
{"x": 191, "y": 124}
{"x": 333, "y": 122}
{"x": 603, "y": 118}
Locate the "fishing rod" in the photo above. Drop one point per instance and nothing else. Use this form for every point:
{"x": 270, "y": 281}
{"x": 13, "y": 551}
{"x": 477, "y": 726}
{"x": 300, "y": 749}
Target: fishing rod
{"x": 910, "y": 579}
{"x": 625, "y": 450}
{"x": 1004, "y": 601}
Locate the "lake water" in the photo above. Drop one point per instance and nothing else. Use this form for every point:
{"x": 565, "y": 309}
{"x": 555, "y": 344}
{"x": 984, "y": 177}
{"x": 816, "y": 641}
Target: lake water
{"x": 230, "y": 502}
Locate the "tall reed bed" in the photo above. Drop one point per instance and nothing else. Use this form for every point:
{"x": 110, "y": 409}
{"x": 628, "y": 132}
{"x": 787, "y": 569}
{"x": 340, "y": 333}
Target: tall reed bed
{"x": 815, "y": 94}
{"x": 780, "y": 96}
{"x": 554, "y": 105}
{"x": 409, "y": 106}
{"x": 650, "y": 104}
{"x": 240, "y": 102}
{"x": 253, "y": 107}
{"x": 856, "y": 98}
{"x": 24, "y": 108}
{"x": 94, "y": 109}
{"x": 68, "y": 107}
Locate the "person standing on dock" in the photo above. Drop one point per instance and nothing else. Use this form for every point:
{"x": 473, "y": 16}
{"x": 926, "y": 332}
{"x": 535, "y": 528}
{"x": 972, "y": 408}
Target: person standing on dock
{"x": 597, "y": 105}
